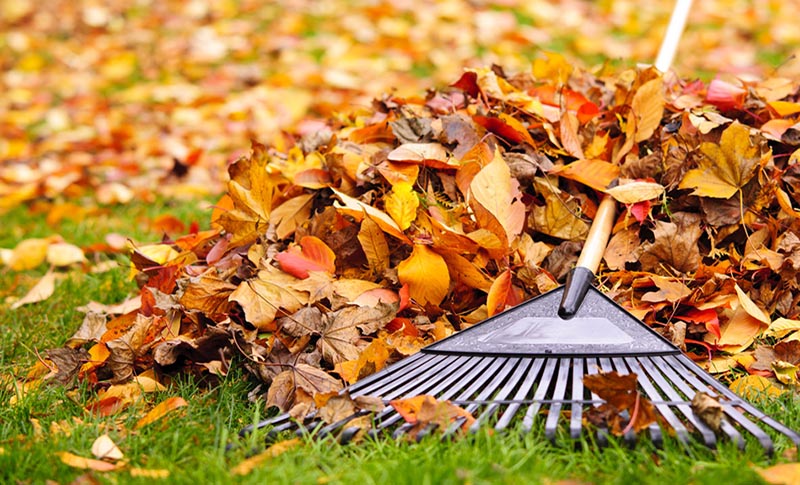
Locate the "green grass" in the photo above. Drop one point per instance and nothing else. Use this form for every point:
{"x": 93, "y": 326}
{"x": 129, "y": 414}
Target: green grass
{"x": 191, "y": 442}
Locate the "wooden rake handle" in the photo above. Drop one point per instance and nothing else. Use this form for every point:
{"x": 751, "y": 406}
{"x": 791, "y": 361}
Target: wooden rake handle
{"x": 581, "y": 277}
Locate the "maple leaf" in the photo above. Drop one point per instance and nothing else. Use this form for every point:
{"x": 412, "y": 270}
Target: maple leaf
{"x": 252, "y": 190}
{"x": 340, "y": 330}
{"x": 261, "y": 298}
{"x": 675, "y": 244}
{"x": 725, "y": 168}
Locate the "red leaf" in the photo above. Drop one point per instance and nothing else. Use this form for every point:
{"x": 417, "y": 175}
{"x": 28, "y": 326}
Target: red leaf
{"x": 311, "y": 255}
{"x": 640, "y": 210}
{"x": 707, "y": 317}
{"x": 725, "y": 95}
{"x": 468, "y": 82}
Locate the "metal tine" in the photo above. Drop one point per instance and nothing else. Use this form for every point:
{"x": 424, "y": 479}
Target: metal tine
{"x": 511, "y": 383}
{"x": 738, "y": 401}
{"x": 462, "y": 379}
{"x": 622, "y": 369}
{"x": 415, "y": 361}
{"x": 683, "y": 378}
{"x": 522, "y": 391}
{"x": 764, "y": 439}
{"x": 666, "y": 412}
{"x": 540, "y": 394}
{"x": 485, "y": 387}
{"x": 578, "y": 394}
{"x": 280, "y": 420}
{"x": 434, "y": 367}
{"x": 333, "y": 427}
{"x": 593, "y": 367}
{"x": 554, "y": 412}
{"x": 709, "y": 438}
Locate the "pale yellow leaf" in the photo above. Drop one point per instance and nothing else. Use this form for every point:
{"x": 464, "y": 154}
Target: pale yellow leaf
{"x": 754, "y": 388}
{"x": 648, "y": 106}
{"x": 401, "y": 204}
{"x": 636, "y": 191}
{"x": 781, "y": 327}
{"x": 418, "y": 152}
{"x": 41, "y": 291}
{"x": 750, "y": 307}
{"x": 105, "y": 448}
{"x": 64, "y": 254}
{"x": 426, "y": 274}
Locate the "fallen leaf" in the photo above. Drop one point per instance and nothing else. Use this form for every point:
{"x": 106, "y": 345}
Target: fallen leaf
{"x": 781, "y": 474}
{"x": 495, "y": 190}
{"x": 105, "y": 448}
{"x": 161, "y": 410}
{"x": 41, "y": 291}
{"x": 725, "y": 168}
{"x": 246, "y": 466}
{"x": 154, "y": 473}
{"x": 312, "y": 254}
{"x": 401, "y": 204}
{"x": 426, "y": 275}
{"x": 708, "y": 410}
{"x": 755, "y": 388}
{"x": 76, "y": 461}
{"x": 648, "y": 106}
{"x": 64, "y": 254}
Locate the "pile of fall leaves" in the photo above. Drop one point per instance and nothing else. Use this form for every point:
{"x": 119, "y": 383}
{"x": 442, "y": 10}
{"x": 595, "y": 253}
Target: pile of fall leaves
{"x": 386, "y": 229}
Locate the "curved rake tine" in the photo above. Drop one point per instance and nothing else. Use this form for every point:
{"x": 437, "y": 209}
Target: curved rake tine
{"x": 578, "y": 395}
{"x": 646, "y": 366}
{"x": 554, "y": 412}
{"x": 522, "y": 392}
{"x": 622, "y": 369}
{"x": 512, "y": 383}
{"x": 407, "y": 365}
{"x": 539, "y": 395}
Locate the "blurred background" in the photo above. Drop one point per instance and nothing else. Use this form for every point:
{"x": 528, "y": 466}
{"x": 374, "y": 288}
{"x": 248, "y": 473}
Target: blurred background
{"x": 113, "y": 100}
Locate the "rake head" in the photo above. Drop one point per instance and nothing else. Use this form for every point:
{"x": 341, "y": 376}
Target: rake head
{"x": 523, "y": 369}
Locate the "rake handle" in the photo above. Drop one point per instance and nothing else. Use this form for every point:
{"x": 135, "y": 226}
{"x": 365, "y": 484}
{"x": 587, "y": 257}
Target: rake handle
{"x": 581, "y": 277}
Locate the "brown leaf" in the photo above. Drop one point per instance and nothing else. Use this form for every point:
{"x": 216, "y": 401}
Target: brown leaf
{"x": 624, "y": 247}
{"x": 262, "y": 297}
{"x": 675, "y": 245}
{"x": 621, "y": 393}
{"x": 708, "y": 409}
{"x": 299, "y": 383}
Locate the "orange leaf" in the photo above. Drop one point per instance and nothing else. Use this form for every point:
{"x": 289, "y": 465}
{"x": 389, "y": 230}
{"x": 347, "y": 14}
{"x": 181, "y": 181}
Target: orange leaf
{"x": 499, "y": 293}
{"x": 648, "y": 106}
{"x": 357, "y": 209}
{"x": 76, "y": 461}
{"x": 248, "y": 465}
{"x": 784, "y": 473}
{"x": 161, "y": 410}
{"x": 495, "y": 190}
{"x": 312, "y": 255}
{"x": 426, "y": 275}
{"x": 596, "y": 174}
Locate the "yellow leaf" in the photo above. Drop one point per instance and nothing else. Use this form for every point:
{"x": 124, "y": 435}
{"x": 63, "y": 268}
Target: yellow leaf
{"x": 554, "y": 67}
{"x": 557, "y": 218}
{"x": 374, "y": 245}
{"x": 785, "y": 372}
{"x": 357, "y": 209}
{"x": 28, "y": 254}
{"x": 76, "y": 461}
{"x": 161, "y": 410}
{"x": 781, "y": 327}
{"x": 725, "y": 168}
{"x": 157, "y": 473}
{"x": 782, "y": 474}
{"x": 41, "y": 291}
{"x": 648, "y": 106}
{"x": 426, "y": 274}
{"x": 262, "y": 297}
{"x": 495, "y": 190}
{"x": 754, "y": 388}
{"x": 248, "y": 465}
{"x": 750, "y": 307}
{"x": 401, "y": 204}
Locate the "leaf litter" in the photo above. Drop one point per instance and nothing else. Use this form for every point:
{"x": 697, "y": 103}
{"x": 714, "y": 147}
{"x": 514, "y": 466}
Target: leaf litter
{"x": 354, "y": 239}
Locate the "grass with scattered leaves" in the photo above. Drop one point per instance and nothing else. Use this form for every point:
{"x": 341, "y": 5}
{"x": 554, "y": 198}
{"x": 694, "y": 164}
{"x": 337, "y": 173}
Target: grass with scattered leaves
{"x": 189, "y": 444}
